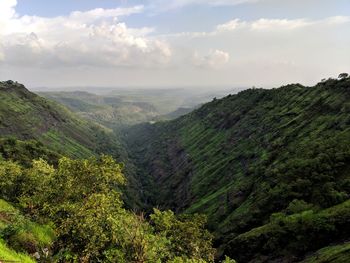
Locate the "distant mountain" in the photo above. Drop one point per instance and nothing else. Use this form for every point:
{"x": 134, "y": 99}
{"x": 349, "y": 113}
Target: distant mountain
{"x": 113, "y": 112}
{"x": 270, "y": 168}
{"x": 177, "y": 113}
{"x": 121, "y": 108}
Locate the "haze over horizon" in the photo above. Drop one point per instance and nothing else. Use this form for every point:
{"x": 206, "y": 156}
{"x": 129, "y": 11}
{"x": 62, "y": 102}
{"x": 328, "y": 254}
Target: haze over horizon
{"x": 234, "y": 43}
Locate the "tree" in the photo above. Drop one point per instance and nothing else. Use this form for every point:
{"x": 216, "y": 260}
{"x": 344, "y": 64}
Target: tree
{"x": 343, "y": 76}
{"x": 186, "y": 234}
{"x": 82, "y": 199}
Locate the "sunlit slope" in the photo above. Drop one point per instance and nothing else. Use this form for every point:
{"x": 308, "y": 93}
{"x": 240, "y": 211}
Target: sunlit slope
{"x": 25, "y": 115}
{"x": 244, "y": 157}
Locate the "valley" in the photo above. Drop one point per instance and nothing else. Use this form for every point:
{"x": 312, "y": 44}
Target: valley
{"x": 264, "y": 166}
{"x": 178, "y": 131}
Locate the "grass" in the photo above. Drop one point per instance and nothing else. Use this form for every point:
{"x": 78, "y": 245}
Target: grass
{"x": 23, "y": 231}
{"x": 8, "y": 254}
{"x": 331, "y": 254}
{"x": 66, "y": 145}
{"x": 25, "y": 115}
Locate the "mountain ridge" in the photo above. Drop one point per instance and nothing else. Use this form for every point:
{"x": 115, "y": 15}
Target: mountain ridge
{"x": 242, "y": 158}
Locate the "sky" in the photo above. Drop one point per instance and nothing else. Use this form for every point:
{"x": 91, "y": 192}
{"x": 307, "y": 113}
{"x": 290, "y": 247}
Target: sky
{"x": 168, "y": 43}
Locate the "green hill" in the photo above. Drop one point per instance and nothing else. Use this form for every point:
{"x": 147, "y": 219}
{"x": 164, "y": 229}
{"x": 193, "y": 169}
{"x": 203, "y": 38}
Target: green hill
{"x": 23, "y": 236}
{"x": 246, "y": 157}
{"x": 33, "y": 127}
{"x": 111, "y": 111}
{"x": 270, "y": 169}
{"x": 25, "y": 115}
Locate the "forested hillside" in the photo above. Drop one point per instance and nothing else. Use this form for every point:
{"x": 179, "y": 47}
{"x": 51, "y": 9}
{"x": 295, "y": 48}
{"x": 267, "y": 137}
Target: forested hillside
{"x": 24, "y": 115}
{"x": 270, "y": 169}
{"x": 79, "y": 209}
{"x": 33, "y": 127}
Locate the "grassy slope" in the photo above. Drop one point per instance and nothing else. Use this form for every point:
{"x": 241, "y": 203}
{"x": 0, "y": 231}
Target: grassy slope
{"x": 26, "y": 116}
{"x": 331, "y": 254}
{"x": 244, "y": 157}
{"x": 22, "y": 235}
{"x": 9, "y": 254}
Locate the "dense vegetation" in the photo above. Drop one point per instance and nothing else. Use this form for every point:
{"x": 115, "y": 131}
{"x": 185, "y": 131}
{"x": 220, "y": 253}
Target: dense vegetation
{"x": 24, "y": 115}
{"x": 270, "y": 169}
{"x": 82, "y": 219}
{"x": 33, "y": 127}
{"x": 265, "y": 166}
{"x": 56, "y": 209}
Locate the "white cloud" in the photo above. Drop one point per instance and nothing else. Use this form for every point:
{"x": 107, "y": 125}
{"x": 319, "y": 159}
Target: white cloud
{"x": 7, "y": 9}
{"x": 100, "y": 13}
{"x": 230, "y": 25}
{"x": 273, "y": 51}
{"x": 97, "y": 48}
{"x": 162, "y": 5}
{"x": 264, "y": 24}
{"x": 92, "y": 38}
{"x": 215, "y": 59}
{"x": 278, "y": 24}
{"x": 337, "y": 20}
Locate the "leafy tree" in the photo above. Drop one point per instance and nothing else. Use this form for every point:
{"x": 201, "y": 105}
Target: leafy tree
{"x": 187, "y": 235}
{"x": 10, "y": 180}
{"x": 82, "y": 198}
{"x": 343, "y": 75}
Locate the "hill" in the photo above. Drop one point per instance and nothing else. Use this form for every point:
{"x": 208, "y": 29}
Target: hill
{"x": 25, "y": 115}
{"x": 123, "y": 107}
{"x": 33, "y": 127}
{"x": 266, "y": 166}
{"x": 110, "y": 111}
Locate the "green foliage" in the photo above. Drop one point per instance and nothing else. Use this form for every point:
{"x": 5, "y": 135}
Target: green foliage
{"x": 332, "y": 254}
{"x": 250, "y": 157}
{"x": 10, "y": 179}
{"x": 9, "y": 254}
{"x": 32, "y": 127}
{"x": 22, "y": 234}
{"x": 298, "y": 206}
{"x": 25, "y": 115}
{"x": 293, "y": 235}
{"x": 187, "y": 235}
{"x": 25, "y": 151}
{"x": 81, "y": 200}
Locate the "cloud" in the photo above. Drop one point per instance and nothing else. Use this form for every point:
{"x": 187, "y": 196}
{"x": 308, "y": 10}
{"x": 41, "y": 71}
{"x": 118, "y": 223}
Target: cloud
{"x": 279, "y": 24}
{"x": 162, "y": 5}
{"x": 264, "y": 24}
{"x": 215, "y": 59}
{"x": 271, "y": 50}
{"x": 100, "y": 13}
{"x": 230, "y": 25}
{"x": 92, "y": 38}
{"x": 7, "y": 9}
{"x": 97, "y": 48}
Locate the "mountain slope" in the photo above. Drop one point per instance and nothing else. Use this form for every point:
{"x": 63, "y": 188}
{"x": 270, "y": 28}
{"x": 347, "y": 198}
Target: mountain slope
{"x": 245, "y": 157}
{"x": 33, "y": 127}
{"x": 25, "y": 115}
{"x": 113, "y": 112}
